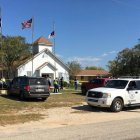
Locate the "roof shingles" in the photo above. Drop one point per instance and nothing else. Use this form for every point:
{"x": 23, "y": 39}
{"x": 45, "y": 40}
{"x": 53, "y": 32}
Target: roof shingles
{"x": 42, "y": 40}
{"x": 92, "y": 72}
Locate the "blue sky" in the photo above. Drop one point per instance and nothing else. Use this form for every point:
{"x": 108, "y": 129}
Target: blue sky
{"x": 91, "y": 32}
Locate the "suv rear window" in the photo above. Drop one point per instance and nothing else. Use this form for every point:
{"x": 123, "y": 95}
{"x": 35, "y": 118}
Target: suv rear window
{"x": 37, "y": 81}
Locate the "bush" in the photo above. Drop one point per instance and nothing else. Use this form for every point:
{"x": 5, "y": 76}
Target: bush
{"x": 65, "y": 84}
{"x": 71, "y": 85}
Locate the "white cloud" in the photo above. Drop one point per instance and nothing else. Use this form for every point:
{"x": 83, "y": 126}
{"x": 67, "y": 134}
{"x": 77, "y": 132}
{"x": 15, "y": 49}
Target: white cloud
{"x": 112, "y": 52}
{"x": 105, "y": 54}
{"x": 83, "y": 59}
{"x": 90, "y": 60}
{"x": 108, "y": 53}
{"x": 59, "y": 55}
{"x": 86, "y": 61}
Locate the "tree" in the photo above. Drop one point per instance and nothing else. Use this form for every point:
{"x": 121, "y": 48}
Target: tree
{"x": 126, "y": 63}
{"x": 75, "y": 68}
{"x": 13, "y": 51}
{"x": 93, "y": 68}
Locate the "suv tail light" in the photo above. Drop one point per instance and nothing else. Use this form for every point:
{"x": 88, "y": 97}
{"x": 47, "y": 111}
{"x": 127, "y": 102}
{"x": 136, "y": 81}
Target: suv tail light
{"x": 27, "y": 88}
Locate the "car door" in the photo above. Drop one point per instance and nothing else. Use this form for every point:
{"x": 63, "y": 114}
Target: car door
{"x": 133, "y": 93}
{"x": 15, "y": 86}
{"x": 94, "y": 84}
{"x": 138, "y": 90}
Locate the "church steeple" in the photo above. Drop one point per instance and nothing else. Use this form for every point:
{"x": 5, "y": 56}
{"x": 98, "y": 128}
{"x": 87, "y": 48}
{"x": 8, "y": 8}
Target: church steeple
{"x": 40, "y": 44}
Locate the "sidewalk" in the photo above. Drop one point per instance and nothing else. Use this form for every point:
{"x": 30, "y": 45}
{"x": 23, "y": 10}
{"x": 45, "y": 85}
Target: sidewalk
{"x": 55, "y": 93}
{"x": 3, "y": 92}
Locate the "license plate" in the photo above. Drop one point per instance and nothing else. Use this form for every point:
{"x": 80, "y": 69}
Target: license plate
{"x": 39, "y": 90}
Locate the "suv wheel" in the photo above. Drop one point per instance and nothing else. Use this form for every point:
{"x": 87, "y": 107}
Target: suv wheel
{"x": 43, "y": 99}
{"x": 21, "y": 96}
{"x": 117, "y": 105}
{"x": 9, "y": 93}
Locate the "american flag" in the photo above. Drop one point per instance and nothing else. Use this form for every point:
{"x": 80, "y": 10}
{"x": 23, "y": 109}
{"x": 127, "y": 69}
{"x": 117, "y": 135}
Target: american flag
{"x": 26, "y": 24}
{"x": 51, "y": 35}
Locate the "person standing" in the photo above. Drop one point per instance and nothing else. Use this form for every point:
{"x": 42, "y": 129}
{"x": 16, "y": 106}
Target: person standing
{"x": 75, "y": 84}
{"x": 56, "y": 86}
{"x": 61, "y": 83}
{"x": 48, "y": 79}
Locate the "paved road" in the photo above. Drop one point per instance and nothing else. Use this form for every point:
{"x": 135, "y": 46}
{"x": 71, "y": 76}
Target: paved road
{"x": 128, "y": 129}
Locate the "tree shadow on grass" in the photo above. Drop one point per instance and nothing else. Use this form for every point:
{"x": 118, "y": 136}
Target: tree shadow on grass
{"x": 78, "y": 93}
{"x": 10, "y": 97}
{"x": 16, "y": 98}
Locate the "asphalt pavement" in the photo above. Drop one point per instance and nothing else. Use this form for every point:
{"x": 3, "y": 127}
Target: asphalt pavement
{"x": 128, "y": 129}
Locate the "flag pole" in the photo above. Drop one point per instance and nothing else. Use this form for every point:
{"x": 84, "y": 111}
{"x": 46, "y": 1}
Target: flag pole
{"x": 54, "y": 45}
{"x": 1, "y": 42}
{"x": 54, "y": 36}
{"x": 1, "y": 46}
{"x": 32, "y": 41}
{"x": 28, "y": 24}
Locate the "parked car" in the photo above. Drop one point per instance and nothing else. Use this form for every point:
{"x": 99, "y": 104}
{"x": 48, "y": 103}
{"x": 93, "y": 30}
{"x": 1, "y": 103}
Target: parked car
{"x": 29, "y": 87}
{"x": 94, "y": 83}
{"x": 117, "y": 93}
{"x": 3, "y": 85}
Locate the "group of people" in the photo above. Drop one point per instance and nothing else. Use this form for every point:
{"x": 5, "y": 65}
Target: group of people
{"x": 57, "y": 83}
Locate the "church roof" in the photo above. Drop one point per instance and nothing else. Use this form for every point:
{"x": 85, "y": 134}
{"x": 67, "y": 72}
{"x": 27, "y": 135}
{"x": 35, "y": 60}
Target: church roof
{"x": 43, "y": 40}
{"x": 92, "y": 73}
{"x": 46, "y": 63}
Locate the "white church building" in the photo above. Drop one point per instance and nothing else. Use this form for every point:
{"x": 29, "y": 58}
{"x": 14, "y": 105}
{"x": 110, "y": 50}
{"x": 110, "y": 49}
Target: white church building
{"x": 44, "y": 62}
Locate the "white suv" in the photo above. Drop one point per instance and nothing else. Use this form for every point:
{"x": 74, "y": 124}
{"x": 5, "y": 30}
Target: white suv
{"x": 116, "y": 94}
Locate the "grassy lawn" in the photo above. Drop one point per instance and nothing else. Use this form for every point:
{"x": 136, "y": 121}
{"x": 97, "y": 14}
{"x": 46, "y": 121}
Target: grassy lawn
{"x": 14, "y": 111}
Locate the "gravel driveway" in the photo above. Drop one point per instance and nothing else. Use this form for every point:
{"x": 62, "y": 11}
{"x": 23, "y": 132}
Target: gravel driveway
{"x": 83, "y": 114}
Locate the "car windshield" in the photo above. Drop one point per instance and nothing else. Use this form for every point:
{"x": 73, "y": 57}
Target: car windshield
{"x": 119, "y": 84}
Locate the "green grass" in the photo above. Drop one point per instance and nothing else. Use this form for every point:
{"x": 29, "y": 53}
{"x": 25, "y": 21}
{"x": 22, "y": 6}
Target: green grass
{"x": 22, "y": 118}
{"x": 11, "y": 108}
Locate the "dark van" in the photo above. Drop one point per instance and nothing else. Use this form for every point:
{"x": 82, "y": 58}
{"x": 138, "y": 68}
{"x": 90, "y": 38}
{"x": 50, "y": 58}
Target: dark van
{"x": 29, "y": 87}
